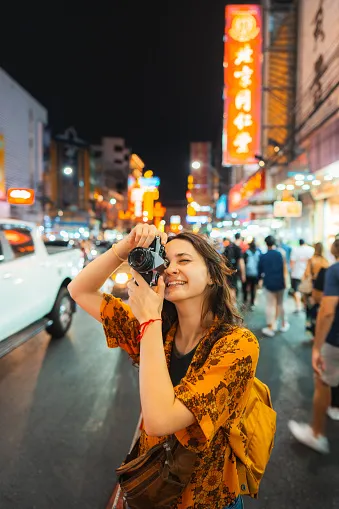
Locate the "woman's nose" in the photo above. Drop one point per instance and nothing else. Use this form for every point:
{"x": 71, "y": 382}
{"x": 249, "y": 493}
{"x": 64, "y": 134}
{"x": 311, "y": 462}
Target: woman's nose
{"x": 172, "y": 269}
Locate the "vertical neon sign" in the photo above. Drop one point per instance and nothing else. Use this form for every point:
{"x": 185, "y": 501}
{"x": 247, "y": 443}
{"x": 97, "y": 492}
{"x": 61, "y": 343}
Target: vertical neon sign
{"x": 242, "y": 84}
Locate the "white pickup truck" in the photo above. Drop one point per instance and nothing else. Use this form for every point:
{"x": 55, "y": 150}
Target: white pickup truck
{"x": 33, "y": 284}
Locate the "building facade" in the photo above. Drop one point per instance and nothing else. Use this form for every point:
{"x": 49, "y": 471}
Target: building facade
{"x": 111, "y": 162}
{"x": 22, "y": 121}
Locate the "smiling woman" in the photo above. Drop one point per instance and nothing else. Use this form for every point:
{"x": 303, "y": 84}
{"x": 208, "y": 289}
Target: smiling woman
{"x": 196, "y": 363}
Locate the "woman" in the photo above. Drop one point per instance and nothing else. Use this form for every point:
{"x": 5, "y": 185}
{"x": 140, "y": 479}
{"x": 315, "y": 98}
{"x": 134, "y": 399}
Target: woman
{"x": 314, "y": 265}
{"x": 196, "y": 368}
{"x": 317, "y": 262}
{"x": 252, "y": 257}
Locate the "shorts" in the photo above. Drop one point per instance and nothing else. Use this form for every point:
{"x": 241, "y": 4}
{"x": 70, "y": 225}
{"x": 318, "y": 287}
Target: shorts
{"x": 295, "y": 284}
{"x": 330, "y": 355}
{"x": 233, "y": 281}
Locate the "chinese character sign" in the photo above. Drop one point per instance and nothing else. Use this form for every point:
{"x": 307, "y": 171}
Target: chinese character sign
{"x": 242, "y": 84}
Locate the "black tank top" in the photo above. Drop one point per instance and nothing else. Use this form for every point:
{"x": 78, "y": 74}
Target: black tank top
{"x": 179, "y": 364}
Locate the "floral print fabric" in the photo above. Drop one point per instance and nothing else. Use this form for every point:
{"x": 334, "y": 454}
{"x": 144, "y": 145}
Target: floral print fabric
{"x": 216, "y": 393}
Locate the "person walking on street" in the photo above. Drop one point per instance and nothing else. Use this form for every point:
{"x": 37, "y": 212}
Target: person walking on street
{"x": 235, "y": 261}
{"x": 252, "y": 258}
{"x": 317, "y": 295}
{"x": 299, "y": 259}
{"x": 273, "y": 270}
{"x": 325, "y": 362}
{"x": 314, "y": 266}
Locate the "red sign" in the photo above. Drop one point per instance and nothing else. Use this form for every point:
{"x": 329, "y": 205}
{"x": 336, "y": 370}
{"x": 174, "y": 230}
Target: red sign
{"x": 239, "y": 195}
{"x": 242, "y": 84}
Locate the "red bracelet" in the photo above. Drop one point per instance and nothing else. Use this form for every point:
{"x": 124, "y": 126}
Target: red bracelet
{"x": 143, "y": 327}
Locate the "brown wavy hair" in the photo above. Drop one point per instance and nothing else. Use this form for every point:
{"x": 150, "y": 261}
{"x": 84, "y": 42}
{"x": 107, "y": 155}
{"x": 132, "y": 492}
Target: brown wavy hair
{"x": 217, "y": 295}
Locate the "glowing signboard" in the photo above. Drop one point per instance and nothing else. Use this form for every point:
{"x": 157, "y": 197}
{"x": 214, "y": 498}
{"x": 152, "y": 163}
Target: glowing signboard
{"x": 287, "y": 209}
{"x": 20, "y": 196}
{"x": 242, "y": 84}
{"x": 240, "y": 194}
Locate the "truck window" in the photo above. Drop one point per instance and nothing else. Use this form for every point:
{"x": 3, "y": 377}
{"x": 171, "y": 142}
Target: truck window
{"x": 2, "y": 256}
{"x": 20, "y": 240}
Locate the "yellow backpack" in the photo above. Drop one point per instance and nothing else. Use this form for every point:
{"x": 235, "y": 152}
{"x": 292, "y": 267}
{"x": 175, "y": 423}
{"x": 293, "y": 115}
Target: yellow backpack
{"x": 259, "y": 426}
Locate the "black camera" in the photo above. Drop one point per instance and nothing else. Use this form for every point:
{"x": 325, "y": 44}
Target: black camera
{"x": 150, "y": 261}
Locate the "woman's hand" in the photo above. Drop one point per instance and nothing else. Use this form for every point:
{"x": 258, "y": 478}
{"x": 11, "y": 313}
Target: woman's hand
{"x": 145, "y": 302}
{"x": 141, "y": 235}
{"x": 318, "y": 362}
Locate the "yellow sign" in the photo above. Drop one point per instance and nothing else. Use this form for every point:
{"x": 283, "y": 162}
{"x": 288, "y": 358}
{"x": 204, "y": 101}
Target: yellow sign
{"x": 149, "y": 198}
{"x": 148, "y": 174}
{"x": 2, "y": 168}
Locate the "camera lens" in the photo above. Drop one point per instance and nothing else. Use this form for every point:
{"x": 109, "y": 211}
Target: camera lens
{"x": 141, "y": 259}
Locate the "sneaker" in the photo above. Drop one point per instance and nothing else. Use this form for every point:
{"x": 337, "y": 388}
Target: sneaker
{"x": 285, "y": 327}
{"x": 268, "y": 332}
{"x": 333, "y": 413}
{"x": 304, "y": 434}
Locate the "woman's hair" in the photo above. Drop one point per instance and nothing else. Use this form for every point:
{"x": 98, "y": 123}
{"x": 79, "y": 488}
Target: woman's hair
{"x": 318, "y": 249}
{"x": 217, "y": 300}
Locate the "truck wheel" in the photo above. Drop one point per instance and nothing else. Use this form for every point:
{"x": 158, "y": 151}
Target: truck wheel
{"x": 61, "y": 314}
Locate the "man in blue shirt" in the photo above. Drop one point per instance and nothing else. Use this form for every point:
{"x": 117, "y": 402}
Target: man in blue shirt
{"x": 272, "y": 269}
{"x": 325, "y": 361}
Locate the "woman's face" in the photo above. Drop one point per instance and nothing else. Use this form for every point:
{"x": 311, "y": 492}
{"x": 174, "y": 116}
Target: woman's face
{"x": 186, "y": 276}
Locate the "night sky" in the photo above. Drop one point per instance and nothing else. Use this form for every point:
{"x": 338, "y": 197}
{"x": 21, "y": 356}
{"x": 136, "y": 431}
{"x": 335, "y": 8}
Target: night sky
{"x": 150, "y": 72}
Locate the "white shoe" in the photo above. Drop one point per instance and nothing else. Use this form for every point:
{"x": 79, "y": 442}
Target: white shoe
{"x": 285, "y": 328}
{"x": 333, "y": 413}
{"x": 268, "y": 332}
{"x": 304, "y": 434}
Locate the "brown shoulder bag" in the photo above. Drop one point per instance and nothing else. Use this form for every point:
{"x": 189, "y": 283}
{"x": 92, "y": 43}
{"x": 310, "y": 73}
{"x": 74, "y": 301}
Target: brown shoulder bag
{"x": 157, "y": 478}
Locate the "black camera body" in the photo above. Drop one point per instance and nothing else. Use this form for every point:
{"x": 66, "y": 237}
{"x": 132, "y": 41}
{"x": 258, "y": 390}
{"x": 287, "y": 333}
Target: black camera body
{"x": 150, "y": 261}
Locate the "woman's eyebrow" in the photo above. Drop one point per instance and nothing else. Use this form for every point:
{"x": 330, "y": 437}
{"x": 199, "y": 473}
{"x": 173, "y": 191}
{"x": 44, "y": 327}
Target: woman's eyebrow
{"x": 182, "y": 254}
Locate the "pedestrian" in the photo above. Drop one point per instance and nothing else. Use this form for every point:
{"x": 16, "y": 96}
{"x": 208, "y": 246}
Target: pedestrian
{"x": 325, "y": 362}
{"x": 235, "y": 261}
{"x": 317, "y": 295}
{"x": 288, "y": 251}
{"x": 196, "y": 361}
{"x": 273, "y": 271}
{"x": 252, "y": 258}
{"x": 314, "y": 265}
{"x": 299, "y": 259}
{"x": 240, "y": 242}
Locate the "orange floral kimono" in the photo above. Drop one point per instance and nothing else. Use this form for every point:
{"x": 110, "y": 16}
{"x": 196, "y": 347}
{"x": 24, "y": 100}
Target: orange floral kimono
{"x": 215, "y": 393}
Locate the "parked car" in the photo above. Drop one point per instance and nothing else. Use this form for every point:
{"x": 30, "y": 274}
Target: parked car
{"x": 33, "y": 289}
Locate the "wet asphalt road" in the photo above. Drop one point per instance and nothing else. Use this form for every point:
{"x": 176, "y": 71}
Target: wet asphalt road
{"x": 69, "y": 408}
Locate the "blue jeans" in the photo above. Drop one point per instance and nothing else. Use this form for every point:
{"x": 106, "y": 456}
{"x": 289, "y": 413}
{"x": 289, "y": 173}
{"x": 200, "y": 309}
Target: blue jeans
{"x": 237, "y": 504}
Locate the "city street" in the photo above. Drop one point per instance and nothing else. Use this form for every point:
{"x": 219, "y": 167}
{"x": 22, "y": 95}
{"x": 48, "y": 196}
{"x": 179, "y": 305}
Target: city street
{"x": 69, "y": 409}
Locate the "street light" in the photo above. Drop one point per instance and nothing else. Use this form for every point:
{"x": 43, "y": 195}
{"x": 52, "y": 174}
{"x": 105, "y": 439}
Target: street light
{"x": 196, "y": 165}
{"x": 68, "y": 171}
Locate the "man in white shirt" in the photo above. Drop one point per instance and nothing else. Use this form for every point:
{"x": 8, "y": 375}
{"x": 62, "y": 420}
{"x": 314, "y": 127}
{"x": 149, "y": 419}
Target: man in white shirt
{"x": 299, "y": 258}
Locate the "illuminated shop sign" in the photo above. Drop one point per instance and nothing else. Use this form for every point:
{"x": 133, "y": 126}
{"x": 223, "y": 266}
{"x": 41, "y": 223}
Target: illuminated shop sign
{"x": 242, "y": 84}
{"x": 240, "y": 194}
{"x": 287, "y": 208}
